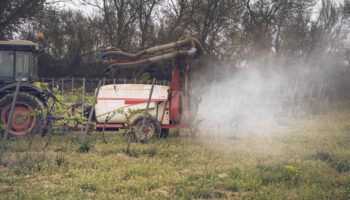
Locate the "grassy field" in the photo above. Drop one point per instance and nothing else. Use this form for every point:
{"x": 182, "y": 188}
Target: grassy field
{"x": 306, "y": 159}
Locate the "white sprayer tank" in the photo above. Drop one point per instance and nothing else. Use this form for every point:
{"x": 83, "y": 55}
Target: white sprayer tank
{"x": 125, "y": 97}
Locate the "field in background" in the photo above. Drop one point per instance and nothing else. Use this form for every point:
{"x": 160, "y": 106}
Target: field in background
{"x": 307, "y": 158}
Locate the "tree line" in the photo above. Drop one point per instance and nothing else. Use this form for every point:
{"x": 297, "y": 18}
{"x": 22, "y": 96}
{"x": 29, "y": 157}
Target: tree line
{"x": 230, "y": 30}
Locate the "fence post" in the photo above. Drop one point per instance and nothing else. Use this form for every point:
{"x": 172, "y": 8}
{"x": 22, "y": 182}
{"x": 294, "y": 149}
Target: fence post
{"x": 104, "y": 81}
{"x": 62, "y": 89}
{"x": 82, "y": 108}
{"x": 3, "y": 146}
{"x": 146, "y": 111}
{"x": 53, "y": 83}
{"x": 91, "y": 111}
{"x": 72, "y": 86}
{"x": 320, "y": 91}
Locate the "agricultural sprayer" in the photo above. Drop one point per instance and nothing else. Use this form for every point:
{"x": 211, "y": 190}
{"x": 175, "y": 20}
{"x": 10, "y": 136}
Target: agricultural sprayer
{"x": 168, "y": 106}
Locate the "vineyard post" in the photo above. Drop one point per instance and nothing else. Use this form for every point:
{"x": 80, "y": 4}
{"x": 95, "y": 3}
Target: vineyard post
{"x": 72, "y": 86}
{"x": 320, "y": 91}
{"x": 3, "y": 146}
{"x": 82, "y": 108}
{"x": 91, "y": 112}
{"x": 62, "y": 86}
{"x": 146, "y": 111}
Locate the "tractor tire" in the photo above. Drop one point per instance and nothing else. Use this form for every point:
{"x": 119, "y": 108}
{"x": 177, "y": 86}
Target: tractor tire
{"x": 164, "y": 133}
{"x": 151, "y": 127}
{"x": 25, "y": 104}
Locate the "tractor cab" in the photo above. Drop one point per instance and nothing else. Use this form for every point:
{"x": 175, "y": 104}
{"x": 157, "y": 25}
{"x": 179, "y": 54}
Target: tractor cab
{"x": 18, "y": 59}
{"x": 18, "y": 62}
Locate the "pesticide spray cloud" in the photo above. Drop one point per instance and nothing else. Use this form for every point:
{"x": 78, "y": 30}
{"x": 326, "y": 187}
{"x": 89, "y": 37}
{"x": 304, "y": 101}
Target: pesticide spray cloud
{"x": 253, "y": 99}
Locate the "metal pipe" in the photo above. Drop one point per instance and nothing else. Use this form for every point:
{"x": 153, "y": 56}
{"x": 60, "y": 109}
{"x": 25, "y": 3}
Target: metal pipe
{"x": 10, "y": 118}
{"x": 156, "y": 59}
{"x": 82, "y": 108}
{"x": 150, "y": 50}
{"x": 91, "y": 112}
{"x": 146, "y": 111}
{"x": 188, "y": 40}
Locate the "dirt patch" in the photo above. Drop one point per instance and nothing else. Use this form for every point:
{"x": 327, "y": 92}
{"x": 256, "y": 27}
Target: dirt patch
{"x": 223, "y": 175}
{"x": 164, "y": 191}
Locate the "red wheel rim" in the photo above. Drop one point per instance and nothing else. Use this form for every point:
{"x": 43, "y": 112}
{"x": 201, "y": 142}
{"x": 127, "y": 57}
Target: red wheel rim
{"x": 146, "y": 130}
{"x": 18, "y": 122}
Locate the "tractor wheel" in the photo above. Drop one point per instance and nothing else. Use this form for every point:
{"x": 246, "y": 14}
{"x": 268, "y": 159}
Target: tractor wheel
{"x": 165, "y": 133}
{"x": 151, "y": 127}
{"x": 26, "y": 103}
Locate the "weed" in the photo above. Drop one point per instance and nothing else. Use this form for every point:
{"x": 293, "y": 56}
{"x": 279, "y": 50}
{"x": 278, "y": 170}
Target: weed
{"x": 277, "y": 174}
{"x": 235, "y": 173}
{"x": 201, "y": 193}
{"x": 219, "y": 195}
{"x": 84, "y": 148}
{"x": 88, "y": 186}
{"x": 10, "y": 181}
{"x": 321, "y": 155}
{"x": 119, "y": 188}
{"x": 60, "y": 160}
{"x": 341, "y": 165}
{"x": 230, "y": 186}
{"x": 141, "y": 152}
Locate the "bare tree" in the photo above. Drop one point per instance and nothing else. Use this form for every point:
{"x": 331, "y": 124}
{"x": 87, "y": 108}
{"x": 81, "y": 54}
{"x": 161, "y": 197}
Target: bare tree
{"x": 144, "y": 10}
{"x": 14, "y": 13}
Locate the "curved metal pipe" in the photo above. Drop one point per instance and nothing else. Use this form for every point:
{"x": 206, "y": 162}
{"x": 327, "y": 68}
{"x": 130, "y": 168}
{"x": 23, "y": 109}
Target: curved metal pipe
{"x": 188, "y": 40}
{"x": 156, "y": 59}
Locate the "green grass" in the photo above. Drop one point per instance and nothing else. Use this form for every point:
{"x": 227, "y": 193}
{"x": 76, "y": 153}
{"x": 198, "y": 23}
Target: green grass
{"x": 306, "y": 159}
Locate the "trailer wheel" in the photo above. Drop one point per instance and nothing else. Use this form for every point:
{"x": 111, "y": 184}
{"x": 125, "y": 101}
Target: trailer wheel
{"x": 151, "y": 127}
{"x": 25, "y": 104}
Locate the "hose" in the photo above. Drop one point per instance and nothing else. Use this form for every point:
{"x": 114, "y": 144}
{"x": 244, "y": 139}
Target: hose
{"x": 188, "y": 42}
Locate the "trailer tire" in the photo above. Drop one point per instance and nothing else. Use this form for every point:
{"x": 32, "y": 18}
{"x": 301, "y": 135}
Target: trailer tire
{"x": 25, "y": 104}
{"x": 151, "y": 125}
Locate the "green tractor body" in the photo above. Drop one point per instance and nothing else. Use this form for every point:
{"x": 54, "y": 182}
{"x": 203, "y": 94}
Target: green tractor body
{"x": 18, "y": 62}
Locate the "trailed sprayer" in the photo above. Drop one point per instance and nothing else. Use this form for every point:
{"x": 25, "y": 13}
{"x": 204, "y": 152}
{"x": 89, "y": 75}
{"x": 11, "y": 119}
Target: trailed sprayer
{"x": 169, "y": 106}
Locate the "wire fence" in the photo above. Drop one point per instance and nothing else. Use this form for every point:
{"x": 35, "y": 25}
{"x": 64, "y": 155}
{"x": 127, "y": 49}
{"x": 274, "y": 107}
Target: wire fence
{"x": 67, "y": 86}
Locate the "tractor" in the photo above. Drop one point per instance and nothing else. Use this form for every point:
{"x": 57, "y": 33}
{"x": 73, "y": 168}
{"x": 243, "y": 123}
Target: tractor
{"x": 18, "y": 62}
